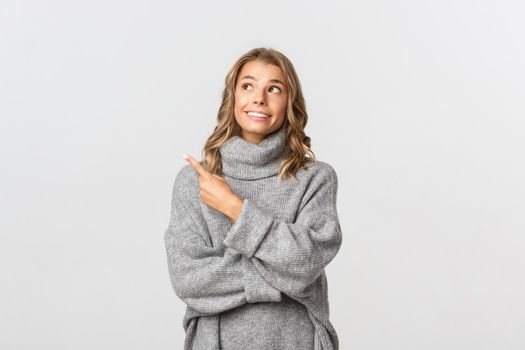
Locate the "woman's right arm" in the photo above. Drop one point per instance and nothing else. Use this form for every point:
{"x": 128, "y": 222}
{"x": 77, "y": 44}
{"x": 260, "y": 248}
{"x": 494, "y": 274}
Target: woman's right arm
{"x": 202, "y": 276}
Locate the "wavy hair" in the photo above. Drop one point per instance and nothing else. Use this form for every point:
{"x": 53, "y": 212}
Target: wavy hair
{"x": 301, "y": 156}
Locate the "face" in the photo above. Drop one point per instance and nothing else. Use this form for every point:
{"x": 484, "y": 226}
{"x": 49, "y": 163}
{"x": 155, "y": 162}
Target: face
{"x": 260, "y": 88}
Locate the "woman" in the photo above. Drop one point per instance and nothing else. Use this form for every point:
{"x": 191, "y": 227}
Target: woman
{"x": 253, "y": 226}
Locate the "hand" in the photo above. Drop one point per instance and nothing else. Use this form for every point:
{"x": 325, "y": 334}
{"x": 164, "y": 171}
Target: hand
{"x": 215, "y": 192}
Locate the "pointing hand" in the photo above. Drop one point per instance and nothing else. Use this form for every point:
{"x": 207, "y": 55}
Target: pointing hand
{"x": 215, "y": 192}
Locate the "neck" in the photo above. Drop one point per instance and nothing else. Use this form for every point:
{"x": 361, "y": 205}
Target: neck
{"x": 242, "y": 159}
{"x": 252, "y": 137}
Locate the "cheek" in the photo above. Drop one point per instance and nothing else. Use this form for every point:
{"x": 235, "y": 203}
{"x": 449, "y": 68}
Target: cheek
{"x": 239, "y": 101}
{"x": 239, "y": 105}
{"x": 281, "y": 106}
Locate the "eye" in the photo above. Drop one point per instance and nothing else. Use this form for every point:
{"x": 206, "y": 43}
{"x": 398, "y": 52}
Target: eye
{"x": 243, "y": 86}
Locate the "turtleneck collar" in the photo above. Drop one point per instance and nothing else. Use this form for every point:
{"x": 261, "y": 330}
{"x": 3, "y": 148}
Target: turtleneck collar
{"x": 244, "y": 160}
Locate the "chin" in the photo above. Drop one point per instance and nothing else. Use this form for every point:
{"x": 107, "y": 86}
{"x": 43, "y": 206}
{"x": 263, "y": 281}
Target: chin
{"x": 254, "y": 131}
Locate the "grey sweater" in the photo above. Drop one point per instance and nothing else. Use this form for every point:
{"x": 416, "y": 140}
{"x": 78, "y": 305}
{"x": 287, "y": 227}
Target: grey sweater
{"x": 259, "y": 283}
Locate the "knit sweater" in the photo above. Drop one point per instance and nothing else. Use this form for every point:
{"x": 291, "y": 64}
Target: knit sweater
{"x": 258, "y": 283}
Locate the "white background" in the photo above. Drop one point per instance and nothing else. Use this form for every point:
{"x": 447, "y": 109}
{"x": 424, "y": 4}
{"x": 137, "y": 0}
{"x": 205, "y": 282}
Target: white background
{"x": 418, "y": 105}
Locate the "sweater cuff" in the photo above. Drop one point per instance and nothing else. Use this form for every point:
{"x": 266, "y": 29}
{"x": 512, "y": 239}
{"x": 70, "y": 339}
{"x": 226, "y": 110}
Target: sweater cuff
{"x": 249, "y": 229}
{"x": 256, "y": 288}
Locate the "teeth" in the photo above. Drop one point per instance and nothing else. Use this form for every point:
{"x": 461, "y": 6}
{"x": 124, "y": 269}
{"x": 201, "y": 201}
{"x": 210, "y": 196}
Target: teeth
{"x": 255, "y": 114}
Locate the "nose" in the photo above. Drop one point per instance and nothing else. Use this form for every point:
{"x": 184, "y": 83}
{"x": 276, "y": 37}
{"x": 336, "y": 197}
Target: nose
{"x": 258, "y": 98}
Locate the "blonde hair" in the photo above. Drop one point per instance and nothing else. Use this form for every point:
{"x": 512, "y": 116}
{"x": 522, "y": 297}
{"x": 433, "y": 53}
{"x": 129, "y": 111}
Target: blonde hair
{"x": 301, "y": 156}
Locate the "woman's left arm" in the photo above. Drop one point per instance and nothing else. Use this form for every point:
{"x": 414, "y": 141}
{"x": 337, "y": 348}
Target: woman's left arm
{"x": 291, "y": 256}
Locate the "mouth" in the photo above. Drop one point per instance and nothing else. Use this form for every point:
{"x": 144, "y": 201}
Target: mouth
{"x": 257, "y": 116}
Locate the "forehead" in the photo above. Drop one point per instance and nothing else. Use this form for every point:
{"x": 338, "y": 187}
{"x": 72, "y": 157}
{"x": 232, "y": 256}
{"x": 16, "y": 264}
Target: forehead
{"x": 262, "y": 71}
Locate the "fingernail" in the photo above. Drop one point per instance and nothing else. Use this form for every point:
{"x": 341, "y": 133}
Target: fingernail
{"x": 185, "y": 156}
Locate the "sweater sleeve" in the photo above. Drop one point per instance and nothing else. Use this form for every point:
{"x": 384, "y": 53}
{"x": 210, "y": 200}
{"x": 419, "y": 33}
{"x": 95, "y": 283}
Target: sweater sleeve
{"x": 206, "y": 278}
{"x": 291, "y": 256}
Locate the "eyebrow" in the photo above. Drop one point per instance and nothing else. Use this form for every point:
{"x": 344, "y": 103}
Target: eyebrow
{"x": 271, "y": 80}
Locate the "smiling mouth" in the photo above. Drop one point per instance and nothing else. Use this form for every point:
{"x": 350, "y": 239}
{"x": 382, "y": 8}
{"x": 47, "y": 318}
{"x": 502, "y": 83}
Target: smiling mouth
{"x": 257, "y": 116}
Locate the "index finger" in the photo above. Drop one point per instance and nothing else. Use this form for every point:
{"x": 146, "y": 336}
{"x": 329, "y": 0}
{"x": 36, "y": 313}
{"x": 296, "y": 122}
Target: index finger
{"x": 195, "y": 164}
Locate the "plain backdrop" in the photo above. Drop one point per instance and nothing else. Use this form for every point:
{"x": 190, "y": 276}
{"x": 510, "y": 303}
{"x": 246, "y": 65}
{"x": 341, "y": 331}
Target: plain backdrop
{"x": 417, "y": 104}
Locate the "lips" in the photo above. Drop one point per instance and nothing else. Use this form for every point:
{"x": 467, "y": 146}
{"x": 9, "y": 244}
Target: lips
{"x": 260, "y": 112}
{"x": 256, "y": 118}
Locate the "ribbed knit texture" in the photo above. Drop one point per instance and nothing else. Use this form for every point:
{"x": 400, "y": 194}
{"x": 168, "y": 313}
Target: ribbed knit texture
{"x": 241, "y": 282}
